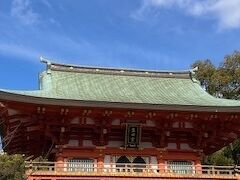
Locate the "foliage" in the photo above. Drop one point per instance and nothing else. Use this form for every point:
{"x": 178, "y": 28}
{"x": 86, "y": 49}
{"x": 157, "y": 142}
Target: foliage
{"x": 224, "y": 82}
{"x": 227, "y": 77}
{"x": 12, "y": 167}
{"x": 233, "y": 151}
{"x": 40, "y": 159}
{"x": 205, "y": 73}
{"x": 219, "y": 159}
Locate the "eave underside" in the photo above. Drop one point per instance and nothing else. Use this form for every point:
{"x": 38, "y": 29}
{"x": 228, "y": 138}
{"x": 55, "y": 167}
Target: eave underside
{"x": 37, "y": 126}
{"x": 28, "y": 99}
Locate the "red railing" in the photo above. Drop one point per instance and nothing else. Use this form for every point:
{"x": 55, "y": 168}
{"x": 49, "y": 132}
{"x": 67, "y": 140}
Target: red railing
{"x": 149, "y": 170}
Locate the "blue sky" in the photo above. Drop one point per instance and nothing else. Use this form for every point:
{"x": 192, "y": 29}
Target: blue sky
{"x": 148, "y": 34}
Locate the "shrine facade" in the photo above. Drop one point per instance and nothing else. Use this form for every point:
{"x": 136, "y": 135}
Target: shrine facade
{"x": 100, "y": 122}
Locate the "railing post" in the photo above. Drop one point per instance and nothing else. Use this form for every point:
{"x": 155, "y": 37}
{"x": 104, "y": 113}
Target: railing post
{"x": 30, "y": 166}
{"x": 60, "y": 163}
{"x": 100, "y": 164}
{"x": 161, "y": 166}
{"x": 198, "y": 167}
{"x": 213, "y": 170}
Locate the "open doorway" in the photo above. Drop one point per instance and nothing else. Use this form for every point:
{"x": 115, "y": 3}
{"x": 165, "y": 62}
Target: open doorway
{"x": 123, "y": 164}
{"x": 139, "y": 164}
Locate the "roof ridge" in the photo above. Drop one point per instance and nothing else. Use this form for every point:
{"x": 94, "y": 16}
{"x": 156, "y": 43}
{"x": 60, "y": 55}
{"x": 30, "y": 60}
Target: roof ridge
{"x": 52, "y": 65}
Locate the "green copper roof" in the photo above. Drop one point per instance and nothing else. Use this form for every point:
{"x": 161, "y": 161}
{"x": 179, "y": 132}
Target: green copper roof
{"x": 68, "y": 82}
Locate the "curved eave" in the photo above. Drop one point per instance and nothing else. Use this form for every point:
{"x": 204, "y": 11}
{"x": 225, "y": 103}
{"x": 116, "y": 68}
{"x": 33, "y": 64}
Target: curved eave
{"x": 8, "y": 96}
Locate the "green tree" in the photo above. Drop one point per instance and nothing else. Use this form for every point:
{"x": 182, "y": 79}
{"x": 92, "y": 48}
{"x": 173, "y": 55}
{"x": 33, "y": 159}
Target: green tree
{"x": 11, "y": 167}
{"x": 227, "y": 77}
{"x": 218, "y": 158}
{"x": 205, "y": 73}
{"x": 223, "y": 80}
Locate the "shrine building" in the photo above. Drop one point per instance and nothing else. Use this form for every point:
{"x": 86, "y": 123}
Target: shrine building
{"x": 108, "y": 123}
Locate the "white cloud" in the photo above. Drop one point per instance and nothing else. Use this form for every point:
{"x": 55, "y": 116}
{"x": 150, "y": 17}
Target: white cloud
{"x": 22, "y": 10}
{"x": 15, "y": 50}
{"x": 168, "y": 3}
{"x": 47, "y": 3}
{"x": 225, "y": 12}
